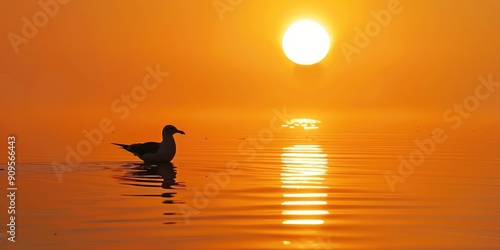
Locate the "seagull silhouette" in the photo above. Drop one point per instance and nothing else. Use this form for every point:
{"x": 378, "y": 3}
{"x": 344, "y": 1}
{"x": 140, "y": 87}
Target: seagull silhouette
{"x": 155, "y": 152}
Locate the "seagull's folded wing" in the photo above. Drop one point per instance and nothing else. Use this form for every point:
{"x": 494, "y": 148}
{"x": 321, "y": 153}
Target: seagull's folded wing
{"x": 140, "y": 149}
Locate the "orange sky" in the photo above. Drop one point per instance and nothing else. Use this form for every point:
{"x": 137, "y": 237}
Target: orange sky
{"x": 66, "y": 77}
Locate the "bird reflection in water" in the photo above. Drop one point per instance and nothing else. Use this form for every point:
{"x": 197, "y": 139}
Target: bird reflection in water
{"x": 154, "y": 176}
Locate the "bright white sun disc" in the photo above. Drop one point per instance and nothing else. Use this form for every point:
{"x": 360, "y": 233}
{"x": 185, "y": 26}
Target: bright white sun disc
{"x": 306, "y": 42}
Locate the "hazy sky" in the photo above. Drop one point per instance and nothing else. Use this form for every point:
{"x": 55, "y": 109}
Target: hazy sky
{"x": 67, "y": 65}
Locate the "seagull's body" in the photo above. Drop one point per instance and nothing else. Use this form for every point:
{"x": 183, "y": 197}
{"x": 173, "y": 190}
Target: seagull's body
{"x": 155, "y": 152}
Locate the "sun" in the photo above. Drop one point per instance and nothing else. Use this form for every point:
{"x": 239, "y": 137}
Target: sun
{"x": 306, "y": 42}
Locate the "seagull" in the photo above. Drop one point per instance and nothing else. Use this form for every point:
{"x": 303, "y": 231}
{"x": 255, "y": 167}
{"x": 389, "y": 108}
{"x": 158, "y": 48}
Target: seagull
{"x": 155, "y": 152}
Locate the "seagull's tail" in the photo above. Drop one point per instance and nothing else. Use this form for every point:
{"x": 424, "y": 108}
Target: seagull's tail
{"x": 124, "y": 146}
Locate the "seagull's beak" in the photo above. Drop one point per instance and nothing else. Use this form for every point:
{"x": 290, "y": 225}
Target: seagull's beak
{"x": 181, "y": 132}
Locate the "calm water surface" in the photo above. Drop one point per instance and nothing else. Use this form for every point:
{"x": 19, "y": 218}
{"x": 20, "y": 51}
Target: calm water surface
{"x": 297, "y": 191}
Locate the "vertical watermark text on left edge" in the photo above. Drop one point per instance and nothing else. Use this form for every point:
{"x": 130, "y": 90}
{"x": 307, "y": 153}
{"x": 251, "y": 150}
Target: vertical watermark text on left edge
{"x": 11, "y": 188}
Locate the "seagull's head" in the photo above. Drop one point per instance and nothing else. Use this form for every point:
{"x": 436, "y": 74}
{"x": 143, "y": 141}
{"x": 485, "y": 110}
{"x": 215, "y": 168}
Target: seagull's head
{"x": 170, "y": 130}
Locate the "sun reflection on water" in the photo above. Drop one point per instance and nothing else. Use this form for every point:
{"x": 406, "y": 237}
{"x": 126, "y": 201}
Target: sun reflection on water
{"x": 302, "y": 176}
{"x": 306, "y": 123}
